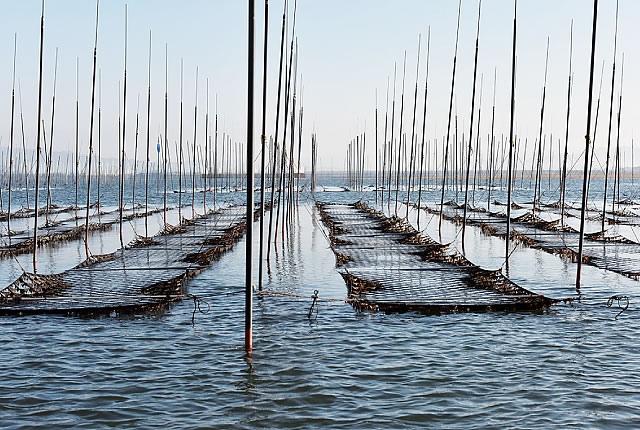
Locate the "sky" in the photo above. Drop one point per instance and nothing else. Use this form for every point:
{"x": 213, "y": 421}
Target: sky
{"x": 347, "y": 52}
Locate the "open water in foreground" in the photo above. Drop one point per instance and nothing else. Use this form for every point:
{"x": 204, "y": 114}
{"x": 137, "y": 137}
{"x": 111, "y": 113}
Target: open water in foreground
{"x": 572, "y": 366}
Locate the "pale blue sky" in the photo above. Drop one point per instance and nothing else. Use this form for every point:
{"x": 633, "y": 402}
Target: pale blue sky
{"x": 347, "y": 50}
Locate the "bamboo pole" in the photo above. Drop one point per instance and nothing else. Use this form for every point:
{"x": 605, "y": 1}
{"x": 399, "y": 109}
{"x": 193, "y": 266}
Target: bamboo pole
{"x": 193, "y": 170}
{"x": 616, "y": 183}
{"x": 404, "y": 73}
{"x": 384, "y": 146}
{"x": 587, "y": 141}
{"x": 53, "y": 110}
{"x": 135, "y": 158}
{"x": 391, "y": 143}
{"x": 77, "y": 164}
{"x": 13, "y": 105}
{"x": 146, "y": 175}
{"x": 473, "y": 104}
{"x": 166, "y": 140}
{"x": 413, "y": 128}
{"x": 424, "y": 124}
{"x": 513, "y": 111}
{"x": 563, "y": 176}
{"x": 492, "y": 138}
{"x": 613, "y": 81}
{"x": 536, "y": 195}
{"x": 446, "y": 150}
{"x": 124, "y": 125}
{"x": 35, "y": 218}
{"x": 477, "y": 162}
{"x": 180, "y": 144}
{"x": 93, "y": 99}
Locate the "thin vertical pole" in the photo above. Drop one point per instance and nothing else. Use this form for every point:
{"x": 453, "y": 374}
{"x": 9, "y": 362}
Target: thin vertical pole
{"x": 404, "y": 73}
{"x": 613, "y": 81}
{"x": 77, "y": 127}
{"x": 146, "y": 182}
{"x": 93, "y": 100}
{"x": 492, "y": 142}
{"x": 207, "y": 160}
{"x": 473, "y": 106}
{"x": 513, "y": 111}
{"x": 424, "y": 124}
{"x": 563, "y": 176}
{"x": 587, "y": 141}
{"x": 376, "y": 144}
{"x": 124, "y": 124}
{"x": 275, "y": 149}
{"x": 391, "y": 142}
{"x": 193, "y": 170}
{"x": 384, "y": 146}
{"x": 536, "y": 188}
{"x": 248, "y": 342}
{"x": 166, "y": 140}
{"x": 53, "y": 110}
{"x": 13, "y": 105}
{"x": 135, "y": 158}
{"x": 35, "y": 220}
{"x": 446, "y": 150}
{"x": 413, "y": 128}
{"x": 180, "y": 149}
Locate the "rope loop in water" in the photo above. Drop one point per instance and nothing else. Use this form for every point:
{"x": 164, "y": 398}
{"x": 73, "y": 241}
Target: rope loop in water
{"x": 314, "y": 304}
{"x": 620, "y": 300}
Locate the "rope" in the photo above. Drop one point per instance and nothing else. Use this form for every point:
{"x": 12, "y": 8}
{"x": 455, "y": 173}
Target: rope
{"x": 619, "y": 299}
{"x": 196, "y": 306}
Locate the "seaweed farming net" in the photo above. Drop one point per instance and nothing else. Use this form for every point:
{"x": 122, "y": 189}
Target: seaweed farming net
{"x": 610, "y": 252}
{"x": 146, "y": 274}
{"x": 387, "y": 265}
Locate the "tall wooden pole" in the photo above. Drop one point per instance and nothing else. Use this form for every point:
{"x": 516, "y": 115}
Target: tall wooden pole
{"x": 587, "y": 142}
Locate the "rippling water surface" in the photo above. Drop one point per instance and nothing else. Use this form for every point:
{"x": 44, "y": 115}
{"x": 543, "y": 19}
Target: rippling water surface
{"x": 571, "y": 366}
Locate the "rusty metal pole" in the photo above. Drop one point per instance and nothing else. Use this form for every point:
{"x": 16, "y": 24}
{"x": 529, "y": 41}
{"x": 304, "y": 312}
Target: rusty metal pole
{"x": 248, "y": 321}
